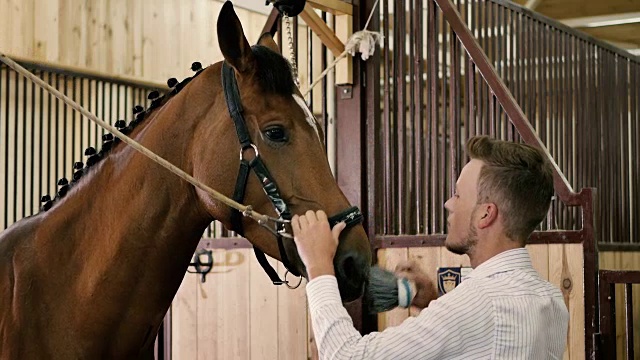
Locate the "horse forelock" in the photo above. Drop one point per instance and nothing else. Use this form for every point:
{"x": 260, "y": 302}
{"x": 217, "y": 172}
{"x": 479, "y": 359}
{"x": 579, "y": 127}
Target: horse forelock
{"x": 273, "y": 72}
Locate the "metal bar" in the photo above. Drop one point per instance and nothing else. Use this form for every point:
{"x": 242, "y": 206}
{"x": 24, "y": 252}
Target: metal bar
{"x": 635, "y": 121}
{"x": 454, "y": 113}
{"x": 42, "y": 183}
{"x": 419, "y": 177}
{"x": 442, "y": 124}
{"x": 629, "y": 323}
{"x": 411, "y": 165}
{"x": 426, "y": 240}
{"x": 6, "y": 143}
{"x": 23, "y": 189}
{"x": 432, "y": 60}
{"x": 16, "y": 106}
{"x": 607, "y": 317}
{"x": 386, "y": 126}
{"x": 399, "y": 52}
{"x": 33, "y": 195}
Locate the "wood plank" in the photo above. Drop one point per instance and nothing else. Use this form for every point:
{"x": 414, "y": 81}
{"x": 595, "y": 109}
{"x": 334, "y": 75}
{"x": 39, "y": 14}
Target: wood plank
{"x": 292, "y": 320}
{"x": 209, "y": 328}
{"x": 263, "y": 297}
{"x": 233, "y": 316}
{"x": 540, "y": 259}
{"x": 565, "y": 271}
{"x": 336, "y": 7}
{"x": 46, "y": 31}
{"x": 344, "y": 68}
{"x": 328, "y": 37}
{"x": 388, "y": 259}
{"x": 184, "y": 319}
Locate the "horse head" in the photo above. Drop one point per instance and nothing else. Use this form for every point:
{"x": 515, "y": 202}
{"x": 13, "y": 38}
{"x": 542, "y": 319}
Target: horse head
{"x": 281, "y": 132}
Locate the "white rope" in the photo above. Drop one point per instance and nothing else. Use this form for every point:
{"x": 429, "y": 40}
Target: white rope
{"x": 363, "y": 42}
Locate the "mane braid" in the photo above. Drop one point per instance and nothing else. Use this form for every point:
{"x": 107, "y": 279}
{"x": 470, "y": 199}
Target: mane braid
{"x": 109, "y": 141}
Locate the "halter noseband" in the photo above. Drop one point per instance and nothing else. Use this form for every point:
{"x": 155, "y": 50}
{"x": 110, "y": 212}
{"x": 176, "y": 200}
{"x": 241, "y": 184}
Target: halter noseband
{"x": 350, "y": 216}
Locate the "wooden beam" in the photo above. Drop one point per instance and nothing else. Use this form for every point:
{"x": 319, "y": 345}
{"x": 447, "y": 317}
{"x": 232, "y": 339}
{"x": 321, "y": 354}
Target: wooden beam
{"x": 532, "y": 4}
{"x": 335, "y": 7}
{"x": 603, "y": 20}
{"x": 326, "y": 35}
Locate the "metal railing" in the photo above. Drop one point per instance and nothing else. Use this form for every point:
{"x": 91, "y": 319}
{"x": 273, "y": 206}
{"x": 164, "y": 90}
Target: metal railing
{"x": 608, "y": 330}
{"x": 579, "y": 95}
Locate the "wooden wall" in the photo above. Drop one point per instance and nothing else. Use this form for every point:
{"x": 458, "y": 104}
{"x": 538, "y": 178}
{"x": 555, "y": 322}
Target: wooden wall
{"x": 145, "y": 39}
{"x": 238, "y": 314}
{"x": 554, "y": 263}
{"x": 612, "y": 260}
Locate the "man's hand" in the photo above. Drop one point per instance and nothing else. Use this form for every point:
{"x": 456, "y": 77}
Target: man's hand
{"x": 316, "y": 242}
{"x": 426, "y": 290}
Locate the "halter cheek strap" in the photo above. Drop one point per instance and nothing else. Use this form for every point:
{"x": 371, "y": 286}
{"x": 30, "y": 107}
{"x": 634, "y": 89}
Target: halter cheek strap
{"x": 350, "y": 216}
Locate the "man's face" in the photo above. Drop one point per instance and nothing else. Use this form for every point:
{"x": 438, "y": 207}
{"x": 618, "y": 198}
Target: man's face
{"x": 462, "y": 207}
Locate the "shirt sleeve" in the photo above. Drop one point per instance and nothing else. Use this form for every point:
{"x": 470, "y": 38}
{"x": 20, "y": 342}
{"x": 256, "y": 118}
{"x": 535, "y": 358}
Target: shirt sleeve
{"x": 461, "y": 322}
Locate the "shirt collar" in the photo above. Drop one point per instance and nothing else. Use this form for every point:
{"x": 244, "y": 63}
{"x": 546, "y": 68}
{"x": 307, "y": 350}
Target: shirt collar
{"x": 505, "y": 261}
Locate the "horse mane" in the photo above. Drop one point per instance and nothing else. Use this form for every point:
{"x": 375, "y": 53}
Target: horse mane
{"x": 273, "y": 73}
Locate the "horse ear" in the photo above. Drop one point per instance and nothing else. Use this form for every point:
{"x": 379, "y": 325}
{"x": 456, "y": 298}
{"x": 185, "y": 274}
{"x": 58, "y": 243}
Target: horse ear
{"x": 267, "y": 40}
{"x": 233, "y": 44}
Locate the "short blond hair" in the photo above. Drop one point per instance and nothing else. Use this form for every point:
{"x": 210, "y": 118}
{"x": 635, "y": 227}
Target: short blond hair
{"x": 518, "y": 178}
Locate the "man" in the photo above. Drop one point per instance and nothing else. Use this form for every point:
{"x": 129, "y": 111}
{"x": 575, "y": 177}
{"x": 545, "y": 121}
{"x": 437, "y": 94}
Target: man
{"x": 502, "y": 309}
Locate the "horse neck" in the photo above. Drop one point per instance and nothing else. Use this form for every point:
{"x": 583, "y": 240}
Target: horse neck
{"x": 129, "y": 227}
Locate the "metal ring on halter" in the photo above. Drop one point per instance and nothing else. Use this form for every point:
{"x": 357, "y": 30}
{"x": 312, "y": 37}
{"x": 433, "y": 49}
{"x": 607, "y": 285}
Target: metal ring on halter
{"x": 255, "y": 148}
{"x": 287, "y": 282}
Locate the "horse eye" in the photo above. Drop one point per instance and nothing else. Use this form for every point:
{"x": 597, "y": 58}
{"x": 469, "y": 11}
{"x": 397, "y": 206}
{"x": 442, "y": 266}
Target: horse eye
{"x": 276, "y": 134}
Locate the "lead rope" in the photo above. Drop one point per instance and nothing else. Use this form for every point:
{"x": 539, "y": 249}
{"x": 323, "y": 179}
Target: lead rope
{"x": 247, "y": 211}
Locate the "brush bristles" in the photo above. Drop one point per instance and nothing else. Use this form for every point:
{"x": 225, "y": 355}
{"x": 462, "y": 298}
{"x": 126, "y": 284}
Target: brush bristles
{"x": 382, "y": 291}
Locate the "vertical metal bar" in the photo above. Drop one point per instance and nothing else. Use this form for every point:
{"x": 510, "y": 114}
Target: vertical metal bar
{"x": 483, "y": 22}
{"x": 419, "y": 134}
{"x": 442, "y": 121}
{"x": 636, "y": 135}
{"x": 23, "y": 190}
{"x": 4, "y": 71}
{"x": 531, "y": 93}
{"x": 513, "y": 82}
{"x": 34, "y": 198}
{"x": 411, "y": 207}
{"x": 386, "y": 124}
{"x": 399, "y": 52}
{"x": 608, "y": 317}
{"x": 65, "y": 127}
{"x": 624, "y": 148}
{"x": 6, "y": 144}
{"x": 541, "y": 118}
{"x": 629, "y": 320}
{"x": 43, "y": 180}
{"x": 454, "y": 113}
{"x": 521, "y": 65}
{"x": 50, "y": 151}
{"x": 432, "y": 60}
{"x": 467, "y": 75}
{"x": 491, "y": 51}
{"x": 16, "y": 106}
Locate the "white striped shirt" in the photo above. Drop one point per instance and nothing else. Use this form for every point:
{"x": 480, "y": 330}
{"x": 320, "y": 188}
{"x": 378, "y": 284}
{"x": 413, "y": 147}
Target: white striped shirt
{"x": 501, "y": 310}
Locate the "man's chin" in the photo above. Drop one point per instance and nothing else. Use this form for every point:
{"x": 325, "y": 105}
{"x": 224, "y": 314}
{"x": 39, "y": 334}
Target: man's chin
{"x": 457, "y": 249}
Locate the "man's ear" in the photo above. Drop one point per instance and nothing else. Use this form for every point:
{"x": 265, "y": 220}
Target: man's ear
{"x": 488, "y": 214}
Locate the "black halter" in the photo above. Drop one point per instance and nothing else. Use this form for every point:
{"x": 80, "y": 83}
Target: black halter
{"x": 350, "y": 216}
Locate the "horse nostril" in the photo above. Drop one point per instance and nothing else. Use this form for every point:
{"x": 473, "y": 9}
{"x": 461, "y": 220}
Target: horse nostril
{"x": 353, "y": 269}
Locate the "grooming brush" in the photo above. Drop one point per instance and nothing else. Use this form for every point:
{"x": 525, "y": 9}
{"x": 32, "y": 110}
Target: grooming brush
{"x": 385, "y": 291}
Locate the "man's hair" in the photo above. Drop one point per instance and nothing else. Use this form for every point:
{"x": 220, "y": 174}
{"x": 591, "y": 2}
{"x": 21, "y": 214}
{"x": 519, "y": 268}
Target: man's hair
{"x": 518, "y": 178}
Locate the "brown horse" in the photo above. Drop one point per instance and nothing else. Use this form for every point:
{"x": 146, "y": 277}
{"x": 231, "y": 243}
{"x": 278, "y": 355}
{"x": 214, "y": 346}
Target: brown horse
{"x": 93, "y": 275}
